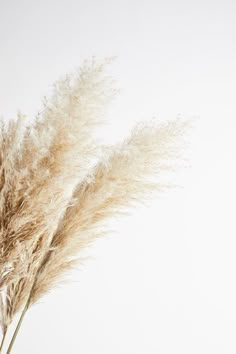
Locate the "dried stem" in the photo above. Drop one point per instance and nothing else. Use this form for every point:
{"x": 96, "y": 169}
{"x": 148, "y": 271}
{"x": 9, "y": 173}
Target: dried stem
{"x": 20, "y": 320}
{"x": 27, "y": 305}
{"x": 3, "y": 339}
{"x": 18, "y": 326}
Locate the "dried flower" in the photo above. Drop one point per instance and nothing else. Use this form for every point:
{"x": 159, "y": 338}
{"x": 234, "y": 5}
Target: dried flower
{"x": 58, "y": 188}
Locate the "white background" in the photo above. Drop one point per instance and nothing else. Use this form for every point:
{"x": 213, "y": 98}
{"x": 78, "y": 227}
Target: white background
{"x": 164, "y": 282}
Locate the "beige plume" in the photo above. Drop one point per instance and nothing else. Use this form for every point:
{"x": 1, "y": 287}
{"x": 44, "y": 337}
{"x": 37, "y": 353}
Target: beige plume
{"x": 57, "y": 190}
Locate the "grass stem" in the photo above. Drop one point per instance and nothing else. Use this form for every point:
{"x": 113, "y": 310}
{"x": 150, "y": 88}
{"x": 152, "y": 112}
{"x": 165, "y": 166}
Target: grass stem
{"x": 19, "y": 324}
{"x": 3, "y": 340}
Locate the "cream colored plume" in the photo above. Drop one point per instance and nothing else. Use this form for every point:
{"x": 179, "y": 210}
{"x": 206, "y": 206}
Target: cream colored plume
{"x": 57, "y": 190}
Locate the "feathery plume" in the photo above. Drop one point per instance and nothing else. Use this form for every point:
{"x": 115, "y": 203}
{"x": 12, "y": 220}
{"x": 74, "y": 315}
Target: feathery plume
{"x": 57, "y": 191}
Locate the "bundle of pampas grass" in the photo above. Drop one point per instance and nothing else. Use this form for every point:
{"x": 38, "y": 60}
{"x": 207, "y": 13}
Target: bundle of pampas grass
{"x": 58, "y": 187}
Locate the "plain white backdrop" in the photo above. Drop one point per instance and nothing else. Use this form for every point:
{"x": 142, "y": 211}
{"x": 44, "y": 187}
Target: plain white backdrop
{"x": 164, "y": 282}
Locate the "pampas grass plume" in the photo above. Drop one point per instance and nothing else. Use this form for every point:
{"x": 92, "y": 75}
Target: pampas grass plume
{"x": 58, "y": 187}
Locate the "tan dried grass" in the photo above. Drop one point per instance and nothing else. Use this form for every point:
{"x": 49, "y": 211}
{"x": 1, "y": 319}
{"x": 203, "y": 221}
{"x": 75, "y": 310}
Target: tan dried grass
{"x": 57, "y": 190}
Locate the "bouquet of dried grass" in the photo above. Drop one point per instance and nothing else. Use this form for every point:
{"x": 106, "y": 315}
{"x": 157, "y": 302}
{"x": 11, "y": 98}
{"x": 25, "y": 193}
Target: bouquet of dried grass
{"x": 57, "y": 187}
